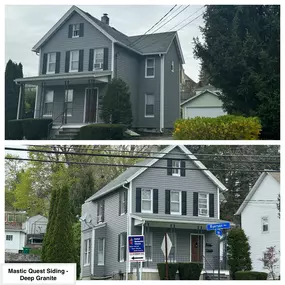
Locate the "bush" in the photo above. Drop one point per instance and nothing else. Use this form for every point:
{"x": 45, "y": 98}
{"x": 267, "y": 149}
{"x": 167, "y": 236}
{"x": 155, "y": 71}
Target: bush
{"x": 250, "y": 275}
{"x": 189, "y": 271}
{"x": 228, "y": 127}
{"x": 102, "y": 132}
{"x": 172, "y": 269}
{"x": 15, "y": 130}
{"x": 36, "y": 129}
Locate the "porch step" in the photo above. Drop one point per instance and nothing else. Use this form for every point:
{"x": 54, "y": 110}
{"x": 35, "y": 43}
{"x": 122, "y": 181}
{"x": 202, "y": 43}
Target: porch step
{"x": 211, "y": 276}
{"x": 67, "y": 134}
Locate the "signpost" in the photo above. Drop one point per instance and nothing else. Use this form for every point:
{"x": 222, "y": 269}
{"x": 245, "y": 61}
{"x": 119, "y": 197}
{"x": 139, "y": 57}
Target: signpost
{"x": 166, "y": 247}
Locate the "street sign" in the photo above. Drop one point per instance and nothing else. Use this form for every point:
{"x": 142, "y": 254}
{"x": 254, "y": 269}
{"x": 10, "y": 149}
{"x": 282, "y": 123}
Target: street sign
{"x": 219, "y": 233}
{"x": 169, "y": 245}
{"x": 136, "y": 248}
{"x": 212, "y": 227}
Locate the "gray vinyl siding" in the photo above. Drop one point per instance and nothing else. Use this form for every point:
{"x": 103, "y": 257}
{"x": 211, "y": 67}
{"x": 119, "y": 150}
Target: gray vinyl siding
{"x": 59, "y": 42}
{"x": 194, "y": 181}
{"x": 171, "y": 88}
{"x": 126, "y": 66}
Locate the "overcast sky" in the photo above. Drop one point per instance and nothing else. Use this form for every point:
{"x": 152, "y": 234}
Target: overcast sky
{"x": 25, "y": 25}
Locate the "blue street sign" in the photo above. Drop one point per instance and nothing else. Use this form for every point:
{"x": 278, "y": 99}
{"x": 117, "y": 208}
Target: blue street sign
{"x": 212, "y": 227}
{"x": 136, "y": 244}
{"x": 219, "y": 233}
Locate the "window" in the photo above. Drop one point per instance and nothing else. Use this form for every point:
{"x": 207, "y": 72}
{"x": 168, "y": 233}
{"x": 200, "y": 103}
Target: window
{"x": 51, "y": 59}
{"x": 123, "y": 201}
{"x": 172, "y": 253}
{"x": 98, "y": 59}
{"x": 100, "y": 212}
{"x": 48, "y": 105}
{"x": 11, "y": 218}
{"x": 74, "y": 60}
{"x": 176, "y": 167}
{"x": 148, "y": 246}
{"x": 87, "y": 250}
{"x": 9, "y": 237}
{"x": 146, "y": 200}
{"x": 101, "y": 251}
{"x": 122, "y": 247}
{"x": 264, "y": 224}
{"x": 69, "y": 101}
{"x": 172, "y": 66}
{"x": 149, "y": 67}
{"x": 266, "y": 258}
{"x": 75, "y": 30}
{"x": 149, "y": 105}
{"x": 175, "y": 202}
{"x": 203, "y": 204}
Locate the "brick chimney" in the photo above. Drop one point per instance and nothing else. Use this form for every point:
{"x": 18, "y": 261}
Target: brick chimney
{"x": 105, "y": 19}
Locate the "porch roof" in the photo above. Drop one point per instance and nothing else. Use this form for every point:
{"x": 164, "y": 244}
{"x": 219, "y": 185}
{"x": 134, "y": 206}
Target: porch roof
{"x": 77, "y": 77}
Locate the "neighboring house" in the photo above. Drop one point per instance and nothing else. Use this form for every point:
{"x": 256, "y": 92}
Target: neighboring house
{"x": 152, "y": 201}
{"x": 205, "y": 103}
{"x": 187, "y": 87}
{"x": 80, "y": 54}
{"x": 259, "y": 218}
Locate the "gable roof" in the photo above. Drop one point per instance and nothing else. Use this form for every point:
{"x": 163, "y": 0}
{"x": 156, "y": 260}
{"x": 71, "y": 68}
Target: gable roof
{"x": 275, "y": 175}
{"x": 133, "y": 172}
{"x": 195, "y": 96}
{"x": 148, "y": 44}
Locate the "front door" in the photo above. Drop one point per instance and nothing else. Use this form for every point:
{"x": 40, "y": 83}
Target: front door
{"x": 91, "y": 105}
{"x": 197, "y": 248}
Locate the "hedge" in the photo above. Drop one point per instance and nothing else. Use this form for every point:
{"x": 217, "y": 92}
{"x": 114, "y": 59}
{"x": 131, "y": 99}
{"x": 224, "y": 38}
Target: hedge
{"x": 172, "y": 269}
{"x": 102, "y": 132}
{"x": 250, "y": 275}
{"x": 228, "y": 127}
{"x": 15, "y": 130}
{"x": 36, "y": 129}
{"x": 189, "y": 271}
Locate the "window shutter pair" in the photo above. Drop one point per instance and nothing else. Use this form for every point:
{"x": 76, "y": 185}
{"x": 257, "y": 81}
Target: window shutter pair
{"x": 81, "y": 30}
{"x": 183, "y": 205}
{"x": 57, "y": 63}
{"x": 80, "y": 64}
{"x": 196, "y": 208}
{"x": 124, "y": 237}
{"x": 105, "y": 59}
{"x": 182, "y": 167}
{"x": 154, "y": 200}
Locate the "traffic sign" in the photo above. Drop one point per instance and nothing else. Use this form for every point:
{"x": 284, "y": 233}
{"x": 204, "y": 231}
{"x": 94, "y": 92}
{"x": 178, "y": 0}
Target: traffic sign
{"x": 167, "y": 240}
{"x": 219, "y": 233}
{"x": 212, "y": 227}
{"x": 136, "y": 248}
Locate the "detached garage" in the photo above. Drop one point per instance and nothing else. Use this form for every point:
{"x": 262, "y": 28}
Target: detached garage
{"x": 204, "y": 104}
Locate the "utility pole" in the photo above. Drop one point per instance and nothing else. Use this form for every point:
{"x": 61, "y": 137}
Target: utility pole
{"x": 166, "y": 264}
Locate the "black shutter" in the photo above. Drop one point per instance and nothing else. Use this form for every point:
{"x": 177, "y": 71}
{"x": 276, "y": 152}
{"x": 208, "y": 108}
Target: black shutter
{"x": 126, "y": 202}
{"x": 138, "y": 200}
{"x": 155, "y": 201}
{"x": 81, "y": 30}
{"x": 184, "y": 203}
{"x": 70, "y": 31}
{"x": 44, "y": 70}
{"x": 57, "y": 62}
{"x": 169, "y": 166}
{"x": 167, "y": 201}
{"x": 119, "y": 239}
{"x": 195, "y": 204}
{"x": 120, "y": 199}
{"x": 67, "y": 59}
{"x": 125, "y": 243}
{"x": 105, "y": 62}
{"x": 81, "y": 55}
{"x": 211, "y": 205}
{"x": 91, "y": 59}
{"x": 182, "y": 168}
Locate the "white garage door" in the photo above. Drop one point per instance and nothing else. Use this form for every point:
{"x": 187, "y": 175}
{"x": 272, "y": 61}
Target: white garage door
{"x": 204, "y": 112}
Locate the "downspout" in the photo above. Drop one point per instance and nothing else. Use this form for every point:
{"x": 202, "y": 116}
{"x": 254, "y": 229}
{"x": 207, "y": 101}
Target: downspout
{"x": 161, "y": 115}
{"x": 128, "y": 232}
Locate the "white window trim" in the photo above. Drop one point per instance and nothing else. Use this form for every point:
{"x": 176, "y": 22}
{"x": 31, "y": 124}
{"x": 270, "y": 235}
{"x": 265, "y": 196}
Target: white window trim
{"x": 103, "y": 251}
{"x": 180, "y": 203}
{"x": 199, "y": 215}
{"x": 87, "y": 252}
{"x": 179, "y": 168}
{"x": 151, "y": 76}
{"x": 122, "y": 245}
{"x": 94, "y": 59}
{"x": 262, "y": 223}
{"x": 48, "y": 115}
{"x": 151, "y": 201}
{"x": 73, "y": 29}
{"x": 70, "y": 61}
{"x": 172, "y": 66}
{"x": 123, "y": 203}
{"x": 145, "y": 115}
{"x": 48, "y": 63}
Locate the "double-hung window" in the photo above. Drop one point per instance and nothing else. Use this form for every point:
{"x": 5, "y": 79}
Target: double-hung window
{"x": 9, "y": 237}
{"x": 69, "y": 101}
{"x": 264, "y": 221}
{"x": 87, "y": 251}
{"x": 146, "y": 200}
{"x": 74, "y": 61}
{"x": 172, "y": 66}
{"x": 149, "y": 67}
{"x": 176, "y": 167}
{"x": 149, "y": 105}
{"x": 123, "y": 202}
{"x": 48, "y": 103}
{"x": 100, "y": 211}
{"x": 75, "y": 30}
{"x": 101, "y": 251}
{"x": 175, "y": 202}
{"x": 98, "y": 59}
{"x": 203, "y": 204}
{"x": 51, "y": 61}
{"x": 122, "y": 246}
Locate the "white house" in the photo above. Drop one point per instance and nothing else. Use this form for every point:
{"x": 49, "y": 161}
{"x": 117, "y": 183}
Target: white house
{"x": 205, "y": 103}
{"x": 15, "y": 239}
{"x": 259, "y": 218}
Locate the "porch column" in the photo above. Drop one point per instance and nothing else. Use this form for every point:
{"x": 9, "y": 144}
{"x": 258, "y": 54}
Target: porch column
{"x": 42, "y": 100}
{"x": 20, "y": 110}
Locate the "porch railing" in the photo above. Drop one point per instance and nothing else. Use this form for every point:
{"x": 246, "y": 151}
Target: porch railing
{"x": 63, "y": 121}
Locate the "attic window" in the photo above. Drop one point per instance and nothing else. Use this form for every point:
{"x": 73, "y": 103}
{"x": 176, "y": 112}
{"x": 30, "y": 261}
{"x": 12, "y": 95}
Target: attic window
{"x": 172, "y": 66}
{"x": 75, "y": 30}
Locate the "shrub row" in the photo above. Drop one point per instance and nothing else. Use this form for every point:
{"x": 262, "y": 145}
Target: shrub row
{"x": 31, "y": 129}
{"x": 250, "y": 275}
{"x": 186, "y": 270}
{"x": 228, "y": 127}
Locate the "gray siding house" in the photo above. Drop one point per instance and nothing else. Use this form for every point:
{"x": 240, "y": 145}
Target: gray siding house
{"x": 80, "y": 54}
{"x": 175, "y": 196}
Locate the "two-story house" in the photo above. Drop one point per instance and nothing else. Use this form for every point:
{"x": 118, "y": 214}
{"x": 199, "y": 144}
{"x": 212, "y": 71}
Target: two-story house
{"x": 172, "y": 193}
{"x": 80, "y": 54}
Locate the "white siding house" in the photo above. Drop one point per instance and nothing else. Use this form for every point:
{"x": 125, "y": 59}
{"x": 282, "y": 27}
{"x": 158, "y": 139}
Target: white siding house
{"x": 259, "y": 218}
{"x": 15, "y": 240}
